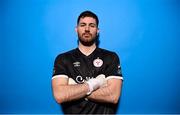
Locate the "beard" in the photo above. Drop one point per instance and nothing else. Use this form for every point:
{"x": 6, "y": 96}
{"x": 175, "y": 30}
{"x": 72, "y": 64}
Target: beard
{"x": 87, "y": 42}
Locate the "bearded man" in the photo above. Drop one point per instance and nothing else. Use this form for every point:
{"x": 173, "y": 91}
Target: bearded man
{"x": 87, "y": 79}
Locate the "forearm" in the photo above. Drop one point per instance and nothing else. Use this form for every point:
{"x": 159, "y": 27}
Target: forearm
{"x": 107, "y": 94}
{"x": 103, "y": 95}
{"x": 64, "y": 93}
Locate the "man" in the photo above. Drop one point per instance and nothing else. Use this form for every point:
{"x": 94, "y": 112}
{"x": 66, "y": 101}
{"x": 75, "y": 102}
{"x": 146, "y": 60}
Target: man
{"x": 88, "y": 79}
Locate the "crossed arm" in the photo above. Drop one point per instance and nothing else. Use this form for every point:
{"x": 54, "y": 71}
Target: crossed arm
{"x": 110, "y": 93}
{"x": 64, "y": 92}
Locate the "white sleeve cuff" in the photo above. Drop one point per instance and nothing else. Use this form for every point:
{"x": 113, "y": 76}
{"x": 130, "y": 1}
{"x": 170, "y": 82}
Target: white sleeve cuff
{"x": 115, "y": 77}
{"x": 58, "y": 76}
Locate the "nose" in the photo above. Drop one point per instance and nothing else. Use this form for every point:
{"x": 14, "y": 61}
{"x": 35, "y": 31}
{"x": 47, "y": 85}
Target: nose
{"x": 87, "y": 28}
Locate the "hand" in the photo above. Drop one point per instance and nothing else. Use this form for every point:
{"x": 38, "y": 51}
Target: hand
{"x": 102, "y": 76}
{"x": 96, "y": 83}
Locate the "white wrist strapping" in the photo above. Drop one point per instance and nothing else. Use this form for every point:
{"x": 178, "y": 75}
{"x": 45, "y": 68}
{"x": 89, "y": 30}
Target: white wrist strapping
{"x": 95, "y": 83}
{"x": 90, "y": 88}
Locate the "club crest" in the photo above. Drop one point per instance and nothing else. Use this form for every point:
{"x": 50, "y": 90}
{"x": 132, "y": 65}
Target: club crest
{"x": 98, "y": 62}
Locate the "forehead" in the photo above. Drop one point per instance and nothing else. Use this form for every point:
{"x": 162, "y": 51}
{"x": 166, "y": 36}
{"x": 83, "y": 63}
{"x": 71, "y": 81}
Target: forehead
{"x": 87, "y": 20}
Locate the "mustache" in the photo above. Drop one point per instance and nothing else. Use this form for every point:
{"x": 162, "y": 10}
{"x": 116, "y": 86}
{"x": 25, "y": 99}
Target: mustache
{"x": 87, "y": 33}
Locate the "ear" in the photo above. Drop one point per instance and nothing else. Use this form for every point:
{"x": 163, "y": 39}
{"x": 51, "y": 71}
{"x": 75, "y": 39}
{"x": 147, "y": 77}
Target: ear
{"x": 98, "y": 31}
{"x": 76, "y": 29}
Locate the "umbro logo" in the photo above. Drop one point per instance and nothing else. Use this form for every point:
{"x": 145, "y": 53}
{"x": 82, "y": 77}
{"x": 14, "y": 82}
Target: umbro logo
{"x": 76, "y": 64}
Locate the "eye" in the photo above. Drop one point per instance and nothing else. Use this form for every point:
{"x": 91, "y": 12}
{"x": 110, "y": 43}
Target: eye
{"x": 82, "y": 24}
{"x": 92, "y": 25}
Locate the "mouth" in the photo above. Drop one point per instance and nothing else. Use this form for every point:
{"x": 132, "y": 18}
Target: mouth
{"x": 86, "y": 34}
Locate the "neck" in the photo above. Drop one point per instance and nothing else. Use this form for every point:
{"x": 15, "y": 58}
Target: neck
{"x": 87, "y": 50}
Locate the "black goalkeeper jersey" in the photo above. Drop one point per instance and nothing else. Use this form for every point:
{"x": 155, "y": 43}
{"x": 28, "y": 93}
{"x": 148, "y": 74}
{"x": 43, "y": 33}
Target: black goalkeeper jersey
{"x": 80, "y": 68}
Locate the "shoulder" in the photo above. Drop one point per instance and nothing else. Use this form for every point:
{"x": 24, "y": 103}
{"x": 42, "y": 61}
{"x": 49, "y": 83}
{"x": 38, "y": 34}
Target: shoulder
{"x": 107, "y": 53}
{"x": 65, "y": 55}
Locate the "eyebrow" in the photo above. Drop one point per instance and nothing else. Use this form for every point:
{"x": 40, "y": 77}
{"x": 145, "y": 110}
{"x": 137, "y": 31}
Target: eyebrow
{"x": 86, "y": 23}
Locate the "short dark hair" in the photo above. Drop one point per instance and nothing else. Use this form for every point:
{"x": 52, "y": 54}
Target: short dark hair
{"x": 88, "y": 14}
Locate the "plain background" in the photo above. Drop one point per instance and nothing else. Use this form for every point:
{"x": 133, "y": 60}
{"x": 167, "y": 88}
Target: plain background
{"x": 144, "y": 33}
